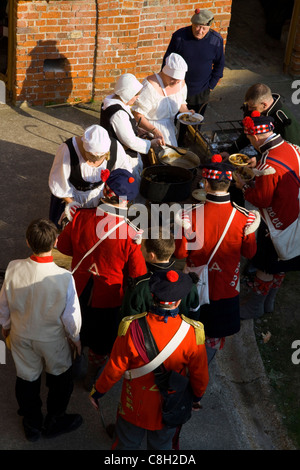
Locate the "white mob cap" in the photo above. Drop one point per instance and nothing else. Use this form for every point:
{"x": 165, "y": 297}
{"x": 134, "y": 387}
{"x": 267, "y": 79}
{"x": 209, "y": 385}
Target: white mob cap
{"x": 96, "y": 140}
{"x": 175, "y": 67}
{"x": 127, "y": 87}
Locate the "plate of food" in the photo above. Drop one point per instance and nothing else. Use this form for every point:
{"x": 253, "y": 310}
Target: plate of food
{"x": 199, "y": 194}
{"x": 246, "y": 173}
{"x": 239, "y": 159}
{"x": 190, "y": 119}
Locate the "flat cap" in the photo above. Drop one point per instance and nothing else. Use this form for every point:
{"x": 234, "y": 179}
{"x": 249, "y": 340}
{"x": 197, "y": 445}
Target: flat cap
{"x": 203, "y": 17}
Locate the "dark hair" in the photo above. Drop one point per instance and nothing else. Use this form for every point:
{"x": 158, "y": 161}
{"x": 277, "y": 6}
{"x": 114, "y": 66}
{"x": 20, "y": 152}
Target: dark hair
{"x": 219, "y": 185}
{"x": 162, "y": 246}
{"x": 41, "y": 235}
{"x": 258, "y": 92}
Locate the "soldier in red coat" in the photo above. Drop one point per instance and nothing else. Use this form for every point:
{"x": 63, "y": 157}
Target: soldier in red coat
{"x": 275, "y": 193}
{"x": 221, "y": 317}
{"x": 103, "y": 245}
{"x": 140, "y": 408}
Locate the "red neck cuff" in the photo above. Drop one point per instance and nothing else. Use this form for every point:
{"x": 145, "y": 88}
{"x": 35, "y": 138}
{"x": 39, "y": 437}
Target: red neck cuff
{"x": 42, "y": 259}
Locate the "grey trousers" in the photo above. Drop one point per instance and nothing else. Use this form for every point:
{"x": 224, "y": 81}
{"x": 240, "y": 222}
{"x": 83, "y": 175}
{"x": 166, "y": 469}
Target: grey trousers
{"x": 130, "y": 437}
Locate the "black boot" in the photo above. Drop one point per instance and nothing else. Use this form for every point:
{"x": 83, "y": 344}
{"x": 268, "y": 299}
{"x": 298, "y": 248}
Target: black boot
{"x": 253, "y": 304}
{"x": 29, "y": 401}
{"x": 270, "y": 301}
{"x": 57, "y": 420}
{"x": 56, "y": 425}
{"x": 253, "y": 307}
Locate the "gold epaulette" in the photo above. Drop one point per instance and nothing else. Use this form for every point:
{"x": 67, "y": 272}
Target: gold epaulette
{"x": 125, "y": 323}
{"x": 199, "y": 329}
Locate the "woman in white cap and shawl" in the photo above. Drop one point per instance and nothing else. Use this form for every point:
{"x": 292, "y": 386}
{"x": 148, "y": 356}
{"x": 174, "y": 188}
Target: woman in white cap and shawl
{"x": 118, "y": 120}
{"x": 162, "y": 97}
{"x": 75, "y": 177}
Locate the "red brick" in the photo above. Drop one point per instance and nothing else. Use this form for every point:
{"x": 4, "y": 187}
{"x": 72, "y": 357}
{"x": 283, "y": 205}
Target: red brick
{"x": 132, "y": 36}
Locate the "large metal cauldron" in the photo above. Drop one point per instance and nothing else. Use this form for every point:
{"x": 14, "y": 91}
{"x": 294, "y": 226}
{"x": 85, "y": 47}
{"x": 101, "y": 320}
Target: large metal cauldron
{"x": 163, "y": 183}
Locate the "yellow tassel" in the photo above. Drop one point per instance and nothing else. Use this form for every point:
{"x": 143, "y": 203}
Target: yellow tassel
{"x": 125, "y": 323}
{"x": 199, "y": 329}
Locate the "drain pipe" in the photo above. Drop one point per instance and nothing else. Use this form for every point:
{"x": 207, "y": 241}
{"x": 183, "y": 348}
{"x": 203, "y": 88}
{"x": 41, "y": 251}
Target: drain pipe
{"x": 96, "y": 50}
{"x": 291, "y": 37}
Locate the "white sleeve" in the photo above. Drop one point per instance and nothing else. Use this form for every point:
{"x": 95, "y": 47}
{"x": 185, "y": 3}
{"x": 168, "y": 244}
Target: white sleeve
{"x": 123, "y": 161}
{"x": 4, "y": 309}
{"x": 71, "y": 316}
{"x": 60, "y": 173}
{"x": 184, "y": 94}
{"x": 122, "y": 126}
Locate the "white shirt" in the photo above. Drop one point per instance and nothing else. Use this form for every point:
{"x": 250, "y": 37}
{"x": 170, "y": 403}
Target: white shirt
{"x": 121, "y": 124}
{"x": 22, "y": 307}
{"x": 60, "y": 185}
{"x": 160, "y": 110}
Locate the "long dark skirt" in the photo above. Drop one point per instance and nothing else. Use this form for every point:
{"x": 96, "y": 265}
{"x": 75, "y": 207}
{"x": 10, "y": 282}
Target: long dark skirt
{"x": 221, "y": 317}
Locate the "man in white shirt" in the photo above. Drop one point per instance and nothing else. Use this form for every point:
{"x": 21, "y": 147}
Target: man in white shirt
{"x": 40, "y": 314}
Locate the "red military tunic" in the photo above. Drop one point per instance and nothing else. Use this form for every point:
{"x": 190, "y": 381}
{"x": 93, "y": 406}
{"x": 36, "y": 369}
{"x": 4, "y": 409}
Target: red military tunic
{"x": 140, "y": 399}
{"x": 224, "y": 268}
{"x": 277, "y": 188}
{"x": 117, "y": 257}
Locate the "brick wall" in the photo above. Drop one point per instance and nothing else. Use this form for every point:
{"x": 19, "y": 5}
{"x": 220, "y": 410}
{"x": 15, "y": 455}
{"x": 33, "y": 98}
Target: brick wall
{"x": 62, "y": 56}
{"x": 55, "y": 44}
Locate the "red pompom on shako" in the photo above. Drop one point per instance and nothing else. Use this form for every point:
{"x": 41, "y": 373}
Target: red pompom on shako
{"x": 170, "y": 286}
{"x": 217, "y": 158}
{"x": 105, "y": 175}
{"x": 197, "y": 11}
{"x": 172, "y": 276}
{"x": 122, "y": 184}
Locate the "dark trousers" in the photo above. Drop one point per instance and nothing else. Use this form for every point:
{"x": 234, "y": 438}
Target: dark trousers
{"x": 30, "y": 403}
{"x": 130, "y": 437}
{"x": 99, "y": 325}
{"x": 199, "y": 104}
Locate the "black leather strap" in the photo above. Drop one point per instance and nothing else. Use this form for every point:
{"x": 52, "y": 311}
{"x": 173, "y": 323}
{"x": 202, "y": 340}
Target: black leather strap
{"x": 150, "y": 344}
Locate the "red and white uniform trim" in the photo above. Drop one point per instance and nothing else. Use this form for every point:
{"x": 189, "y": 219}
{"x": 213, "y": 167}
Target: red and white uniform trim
{"x": 276, "y": 189}
{"x": 116, "y": 258}
{"x": 224, "y": 268}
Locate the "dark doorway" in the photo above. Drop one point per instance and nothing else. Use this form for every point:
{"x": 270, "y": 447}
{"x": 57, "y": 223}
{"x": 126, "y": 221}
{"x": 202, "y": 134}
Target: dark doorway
{"x": 3, "y": 37}
{"x": 255, "y": 40}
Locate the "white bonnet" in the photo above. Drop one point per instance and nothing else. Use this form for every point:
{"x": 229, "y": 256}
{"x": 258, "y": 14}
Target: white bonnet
{"x": 175, "y": 67}
{"x": 127, "y": 87}
{"x": 96, "y": 140}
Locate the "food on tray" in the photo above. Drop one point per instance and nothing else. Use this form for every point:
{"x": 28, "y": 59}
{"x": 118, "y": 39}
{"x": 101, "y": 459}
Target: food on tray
{"x": 189, "y": 118}
{"x": 239, "y": 159}
{"x": 246, "y": 173}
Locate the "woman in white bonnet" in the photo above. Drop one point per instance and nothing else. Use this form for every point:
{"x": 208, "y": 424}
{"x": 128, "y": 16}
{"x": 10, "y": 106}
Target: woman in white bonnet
{"x": 75, "y": 177}
{"x": 118, "y": 120}
{"x": 162, "y": 97}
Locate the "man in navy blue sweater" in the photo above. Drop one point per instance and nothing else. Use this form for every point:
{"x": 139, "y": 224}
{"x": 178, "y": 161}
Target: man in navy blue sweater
{"x": 203, "y": 50}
